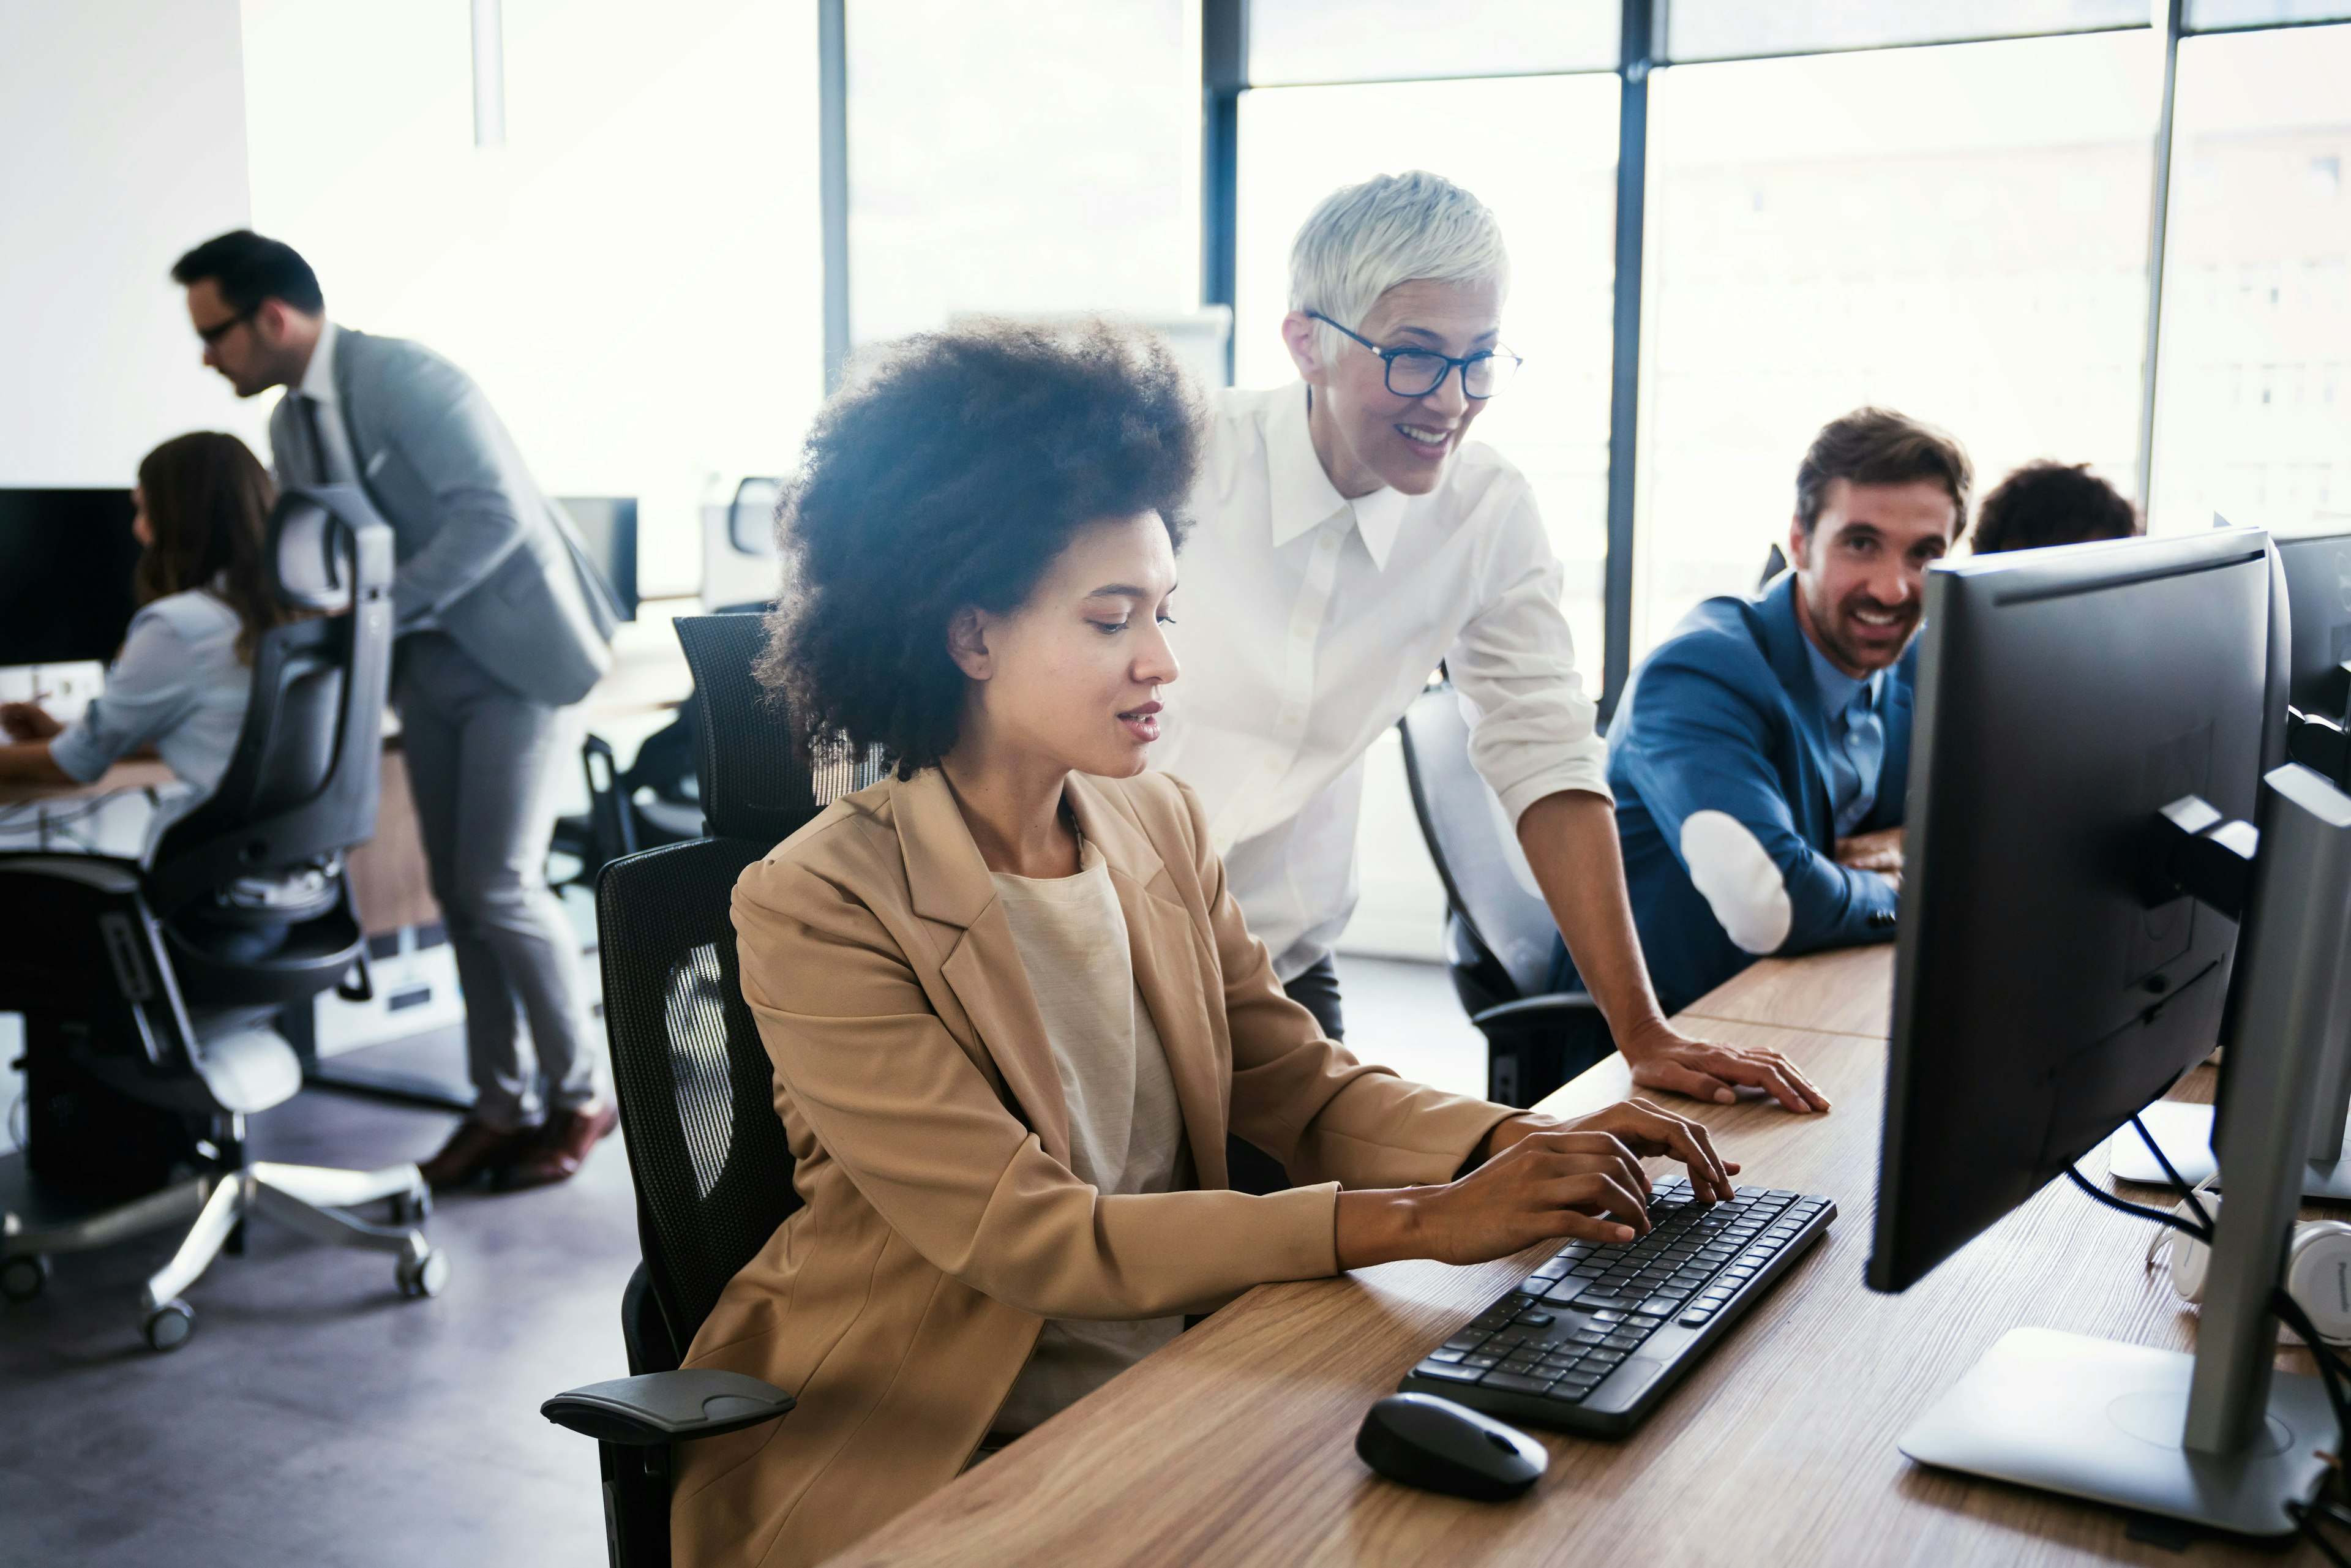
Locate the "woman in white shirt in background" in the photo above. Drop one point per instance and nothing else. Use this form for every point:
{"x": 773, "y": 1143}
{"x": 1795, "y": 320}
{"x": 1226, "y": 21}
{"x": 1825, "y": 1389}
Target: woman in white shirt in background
{"x": 1350, "y": 537}
{"x": 185, "y": 672}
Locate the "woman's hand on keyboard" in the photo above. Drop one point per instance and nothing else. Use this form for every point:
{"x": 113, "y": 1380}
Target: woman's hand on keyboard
{"x": 1547, "y": 1179}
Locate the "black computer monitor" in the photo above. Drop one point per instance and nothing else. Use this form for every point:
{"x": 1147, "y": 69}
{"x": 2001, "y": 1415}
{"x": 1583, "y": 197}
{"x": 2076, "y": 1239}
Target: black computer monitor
{"x": 2065, "y": 694}
{"x": 608, "y": 527}
{"x": 65, "y": 562}
{"x": 2319, "y": 597}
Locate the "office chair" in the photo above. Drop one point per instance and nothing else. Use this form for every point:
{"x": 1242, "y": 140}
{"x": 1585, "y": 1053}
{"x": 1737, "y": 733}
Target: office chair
{"x": 1498, "y": 930}
{"x": 149, "y": 995}
{"x": 695, "y": 1089}
{"x": 650, "y": 802}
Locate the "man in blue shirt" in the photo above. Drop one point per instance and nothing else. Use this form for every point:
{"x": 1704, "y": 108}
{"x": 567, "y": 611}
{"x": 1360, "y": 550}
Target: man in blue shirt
{"x": 1761, "y": 752}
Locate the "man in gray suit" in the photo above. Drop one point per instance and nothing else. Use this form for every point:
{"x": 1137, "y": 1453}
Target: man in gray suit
{"x": 502, "y": 626}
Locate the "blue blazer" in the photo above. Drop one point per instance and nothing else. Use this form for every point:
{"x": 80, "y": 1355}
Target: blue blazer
{"x": 1724, "y": 715}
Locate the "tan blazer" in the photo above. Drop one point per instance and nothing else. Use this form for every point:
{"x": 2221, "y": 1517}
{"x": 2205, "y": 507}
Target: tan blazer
{"x": 943, "y": 1223}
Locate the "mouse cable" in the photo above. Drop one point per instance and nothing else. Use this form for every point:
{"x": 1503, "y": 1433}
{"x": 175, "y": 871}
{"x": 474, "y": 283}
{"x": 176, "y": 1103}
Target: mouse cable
{"x": 2333, "y": 1376}
{"x": 2195, "y": 1204}
{"x": 2139, "y": 1210}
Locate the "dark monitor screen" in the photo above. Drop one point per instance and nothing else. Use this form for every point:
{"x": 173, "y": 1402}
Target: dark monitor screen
{"x": 2064, "y": 696}
{"x": 2318, "y": 595}
{"x": 65, "y": 562}
{"x": 608, "y": 527}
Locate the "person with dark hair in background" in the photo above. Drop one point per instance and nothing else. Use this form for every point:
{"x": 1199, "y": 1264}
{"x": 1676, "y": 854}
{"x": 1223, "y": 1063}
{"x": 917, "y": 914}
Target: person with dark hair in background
{"x": 1761, "y": 752}
{"x": 503, "y": 625}
{"x": 182, "y": 679}
{"x": 2049, "y": 503}
{"x": 1012, "y": 1005}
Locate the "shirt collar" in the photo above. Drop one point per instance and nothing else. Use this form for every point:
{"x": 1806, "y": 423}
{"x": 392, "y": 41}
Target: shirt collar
{"x": 1838, "y": 689}
{"x": 319, "y": 377}
{"x": 1301, "y": 494}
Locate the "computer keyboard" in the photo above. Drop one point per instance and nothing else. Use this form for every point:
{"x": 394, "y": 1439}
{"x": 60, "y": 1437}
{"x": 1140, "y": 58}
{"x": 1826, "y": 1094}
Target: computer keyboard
{"x": 1591, "y": 1341}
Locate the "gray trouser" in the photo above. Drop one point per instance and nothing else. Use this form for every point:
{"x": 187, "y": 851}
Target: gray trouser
{"x": 482, "y": 763}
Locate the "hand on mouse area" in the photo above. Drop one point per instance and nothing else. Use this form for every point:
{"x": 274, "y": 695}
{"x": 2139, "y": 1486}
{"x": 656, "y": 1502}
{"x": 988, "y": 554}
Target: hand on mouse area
{"x": 1547, "y": 1179}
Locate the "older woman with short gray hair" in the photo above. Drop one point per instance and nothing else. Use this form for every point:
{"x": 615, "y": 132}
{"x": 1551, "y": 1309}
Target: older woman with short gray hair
{"x": 1350, "y": 537}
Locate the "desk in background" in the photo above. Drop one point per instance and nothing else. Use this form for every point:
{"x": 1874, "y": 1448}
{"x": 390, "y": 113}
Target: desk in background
{"x": 1235, "y": 1445}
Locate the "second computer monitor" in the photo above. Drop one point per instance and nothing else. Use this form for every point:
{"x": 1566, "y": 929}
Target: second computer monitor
{"x": 608, "y": 527}
{"x": 2318, "y": 593}
{"x": 2065, "y": 696}
{"x": 66, "y": 563}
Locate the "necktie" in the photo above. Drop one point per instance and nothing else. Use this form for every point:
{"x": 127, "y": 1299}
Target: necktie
{"x": 1865, "y": 743}
{"x": 308, "y": 408}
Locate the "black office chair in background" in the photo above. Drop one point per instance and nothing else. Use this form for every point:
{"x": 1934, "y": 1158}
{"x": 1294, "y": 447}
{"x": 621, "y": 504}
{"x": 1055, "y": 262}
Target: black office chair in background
{"x": 151, "y": 994}
{"x": 695, "y": 1089}
{"x": 1498, "y": 930}
{"x": 652, "y": 801}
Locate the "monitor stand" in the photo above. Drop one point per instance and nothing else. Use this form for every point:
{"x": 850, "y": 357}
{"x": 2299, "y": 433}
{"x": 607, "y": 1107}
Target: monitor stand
{"x": 2102, "y": 1421}
{"x": 2218, "y": 1438}
{"x": 2185, "y": 1133}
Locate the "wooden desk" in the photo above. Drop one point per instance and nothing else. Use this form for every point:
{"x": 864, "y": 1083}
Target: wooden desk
{"x": 1235, "y": 1445}
{"x": 1847, "y": 990}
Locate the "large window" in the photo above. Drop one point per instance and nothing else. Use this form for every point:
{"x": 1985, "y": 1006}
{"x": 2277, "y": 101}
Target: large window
{"x": 1030, "y": 157}
{"x": 1541, "y": 151}
{"x": 1958, "y": 232}
{"x": 2253, "y": 405}
{"x": 633, "y": 277}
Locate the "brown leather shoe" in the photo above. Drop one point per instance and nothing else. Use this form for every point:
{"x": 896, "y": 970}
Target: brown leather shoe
{"x": 562, "y": 1148}
{"x": 473, "y": 1149}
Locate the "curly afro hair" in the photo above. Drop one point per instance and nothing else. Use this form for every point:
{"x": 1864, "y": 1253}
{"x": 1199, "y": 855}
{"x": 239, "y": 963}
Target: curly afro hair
{"x": 950, "y": 474}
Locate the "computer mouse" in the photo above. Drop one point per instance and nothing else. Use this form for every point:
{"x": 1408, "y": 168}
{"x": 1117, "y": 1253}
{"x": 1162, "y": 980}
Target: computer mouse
{"x": 1438, "y": 1446}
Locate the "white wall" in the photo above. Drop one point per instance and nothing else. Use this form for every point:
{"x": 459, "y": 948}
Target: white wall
{"x": 121, "y": 144}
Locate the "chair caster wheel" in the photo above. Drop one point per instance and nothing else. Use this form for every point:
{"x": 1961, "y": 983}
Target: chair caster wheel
{"x": 412, "y": 1208}
{"x": 425, "y": 1276}
{"x": 168, "y": 1326}
{"x": 23, "y": 1277}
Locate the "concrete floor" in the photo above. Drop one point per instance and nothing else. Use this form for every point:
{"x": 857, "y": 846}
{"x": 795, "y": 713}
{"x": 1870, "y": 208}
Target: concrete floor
{"x": 318, "y": 1418}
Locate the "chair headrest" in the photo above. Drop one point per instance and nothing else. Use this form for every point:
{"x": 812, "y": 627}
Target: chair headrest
{"x": 754, "y": 776}
{"x": 328, "y": 548}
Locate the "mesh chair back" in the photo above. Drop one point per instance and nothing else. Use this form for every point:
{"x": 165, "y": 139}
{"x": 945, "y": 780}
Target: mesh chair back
{"x": 302, "y": 784}
{"x": 755, "y": 779}
{"x": 1488, "y": 883}
{"x": 714, "y": 1174}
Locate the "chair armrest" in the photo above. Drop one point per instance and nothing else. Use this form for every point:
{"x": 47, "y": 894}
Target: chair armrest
{"x": 1531, "y": 1010}
{"x": 665, "y": 1406}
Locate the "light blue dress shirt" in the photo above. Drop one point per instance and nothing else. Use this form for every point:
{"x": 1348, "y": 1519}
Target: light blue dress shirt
{"x": 177, "y": 684}
{"x": 1857, "y": 738}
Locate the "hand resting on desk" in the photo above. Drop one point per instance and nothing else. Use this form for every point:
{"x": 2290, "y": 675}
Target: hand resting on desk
{"x": 28, "y": 721}
{"x": 1542, "y": 1178}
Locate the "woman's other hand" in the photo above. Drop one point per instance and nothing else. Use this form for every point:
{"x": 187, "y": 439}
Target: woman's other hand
{"x": 28, "y": 721}
{"x": 1547, "y": 1179}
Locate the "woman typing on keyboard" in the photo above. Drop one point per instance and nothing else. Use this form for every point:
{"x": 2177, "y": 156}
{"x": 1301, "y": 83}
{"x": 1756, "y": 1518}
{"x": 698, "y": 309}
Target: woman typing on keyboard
{"x": 1012, "y": 1011}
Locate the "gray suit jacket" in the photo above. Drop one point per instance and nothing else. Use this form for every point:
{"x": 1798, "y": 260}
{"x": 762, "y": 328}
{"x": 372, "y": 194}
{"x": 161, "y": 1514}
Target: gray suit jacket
{"x": 495, "y": 564}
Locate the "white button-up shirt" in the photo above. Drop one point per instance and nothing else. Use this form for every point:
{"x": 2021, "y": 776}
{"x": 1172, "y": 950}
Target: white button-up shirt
{"x": 1306, "y": 625}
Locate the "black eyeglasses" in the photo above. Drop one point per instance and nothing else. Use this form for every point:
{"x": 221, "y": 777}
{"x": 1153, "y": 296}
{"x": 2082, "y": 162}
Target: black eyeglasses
{"x": 1417, "y": 372}
{"x": 213, "y": 334}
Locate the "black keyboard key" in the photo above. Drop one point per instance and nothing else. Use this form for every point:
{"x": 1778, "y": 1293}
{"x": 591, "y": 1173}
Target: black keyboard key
{"x": 1619, "y": 1304}
{"x": 1623, "y": 1341}
{"x": 1692, "y": 1319}
{"x": 1482, "y": 1361}
{"x": 1565, "y": 1291}
{"x": 1465, "y": 1342}
{"x": 1534, "y": 1318}
{"x": 1665, "y": 1305}
{"x": 1446, "y": 1355}
{"x": 1514, "y": 1383}
{"x": 1441, "y": 1372}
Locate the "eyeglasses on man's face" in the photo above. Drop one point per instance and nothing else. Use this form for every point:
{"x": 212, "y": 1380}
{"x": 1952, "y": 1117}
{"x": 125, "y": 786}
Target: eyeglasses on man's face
{"x": 1417, "y": 372}
{"x": 213, "y": 334}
